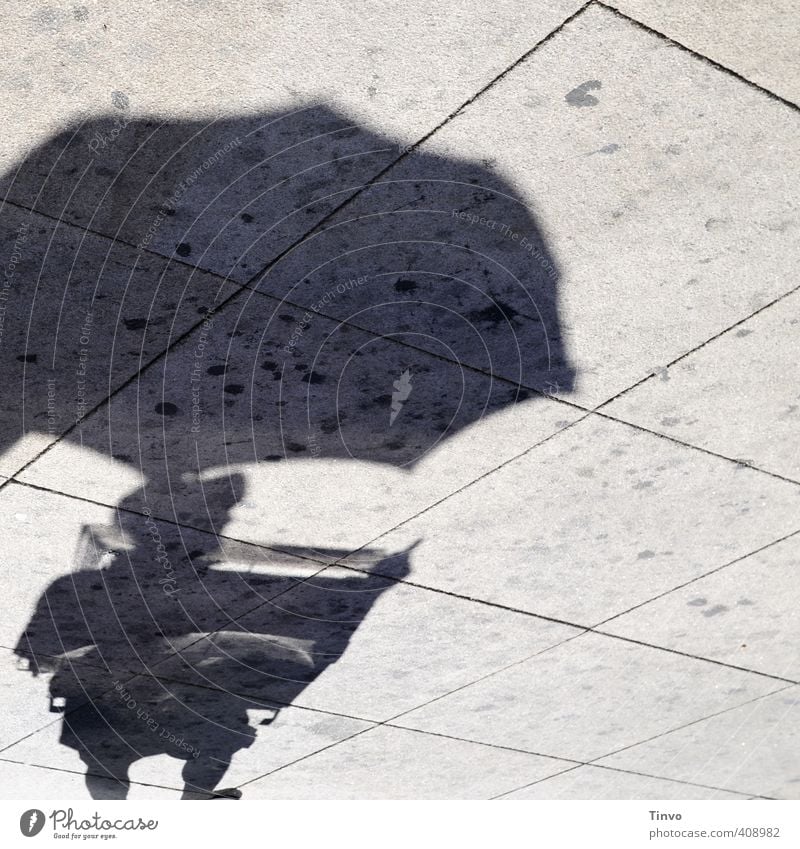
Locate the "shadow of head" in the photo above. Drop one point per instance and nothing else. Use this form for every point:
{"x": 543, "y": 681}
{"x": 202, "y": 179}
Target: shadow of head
{"x": 200, "y": 299}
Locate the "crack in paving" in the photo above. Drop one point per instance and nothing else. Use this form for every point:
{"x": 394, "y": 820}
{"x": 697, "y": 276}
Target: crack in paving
{"x": 702, "y": 57}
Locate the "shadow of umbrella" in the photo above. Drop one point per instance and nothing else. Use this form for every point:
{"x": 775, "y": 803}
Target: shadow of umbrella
{"x": 211, "y": 277}
{"x": 117, "y": 622}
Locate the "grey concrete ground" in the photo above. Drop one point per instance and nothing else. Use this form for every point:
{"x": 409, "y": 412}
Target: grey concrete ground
{"x": 400, "y": 400}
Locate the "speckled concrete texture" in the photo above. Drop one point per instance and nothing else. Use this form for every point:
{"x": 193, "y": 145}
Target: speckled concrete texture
{"x": 399, "y": 401}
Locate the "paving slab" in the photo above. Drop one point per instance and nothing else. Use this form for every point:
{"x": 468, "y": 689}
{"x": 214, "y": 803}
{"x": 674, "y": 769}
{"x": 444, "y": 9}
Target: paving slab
{"x": 174, "y": 60}
{"x": 753, "y": 749}
{"x": 593, "y": 522}
{"x": 20, "y": 781}
{"x": 757, "y": 40}
{"x": 647, "y": 190}
{"x": 148, "y": 729}
{"x": 587, "y": 698}
{"x": 733, "y": 396}
{"x": 591, "y": 782}
{"x": 628, "y": 212}
{"x": 291, "y": 735}
{"x": 361, "y": 645}
{"x": 27, "y": 701}
{"x": 134, "y": 100}
{"x": 233, "y": 433}
{"x": 80, "y": 315}
{"x": 391, "y": 763}
{"x": 745, "y": 614}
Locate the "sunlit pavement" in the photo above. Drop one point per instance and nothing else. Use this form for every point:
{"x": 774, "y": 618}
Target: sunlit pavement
{"x": 585, "y": 586}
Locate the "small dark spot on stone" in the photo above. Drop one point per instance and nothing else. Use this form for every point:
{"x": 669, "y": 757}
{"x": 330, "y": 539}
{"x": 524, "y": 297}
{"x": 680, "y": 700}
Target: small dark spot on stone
{"x": 645, "y": 555}
{"x": 166, "y": 408}
{"x": 233, "y": 388}
{"x": 246, "y": 217}
{"x": 715, "y": 610}
{"x": 120, "y": 100}
{"x": 313, "y": 377}
{"x": 27, "y": 358}
{"x": 295, "y": 447}
{"x": 496, "y": 312}
{"x": 405, "y": 286}
{"x": 301, "y": 367}
{"x": 215, "y": 370}
{"x": 269, "y": 365}
{"x": 743, "y": 332}
{"x": 697, "y": 602}
{"x": 183, "y": 249}
{"x": 287, "y": 318}
{"x": 273, "y": 458}
{"x": 135, "y": 323}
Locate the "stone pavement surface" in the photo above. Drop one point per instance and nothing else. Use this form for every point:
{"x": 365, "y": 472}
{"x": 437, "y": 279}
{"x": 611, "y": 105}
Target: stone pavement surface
{"x": 400, "y": 401}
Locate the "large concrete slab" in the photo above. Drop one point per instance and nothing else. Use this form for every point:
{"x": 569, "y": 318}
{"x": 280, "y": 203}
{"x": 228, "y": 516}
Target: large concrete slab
{"x": 20, "y": 781}
{"x": 26, "y": 698}
{"x": 391, "y": 763}
{"x": 153, "y": 94}
{"x": 587, "y": 698}
{"x": 612, "y": 203}
{"x": 753, "y": 749}
{"x": 757, "y": 40}
{"x": 361, "y": 645}
{"x": 79, "y": 315}
{"x": 593, "y": 522}
{"x": 642, "y": 173}
{"x": 746, "y": 614}
{"x": 233, "y": 433}
{"x": 735, "y": 396}
{"x": 591, "y": 782}
{"x": 409, "y": 66}
{"x": 153, "y": 728}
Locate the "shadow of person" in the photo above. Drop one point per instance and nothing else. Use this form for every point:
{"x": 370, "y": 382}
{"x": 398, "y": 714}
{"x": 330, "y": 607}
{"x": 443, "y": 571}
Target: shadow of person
{"x": 195, "y": 303}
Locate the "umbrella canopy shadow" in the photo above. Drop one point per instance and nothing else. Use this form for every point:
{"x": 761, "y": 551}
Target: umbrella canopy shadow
{"x": 197, "y": 300}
